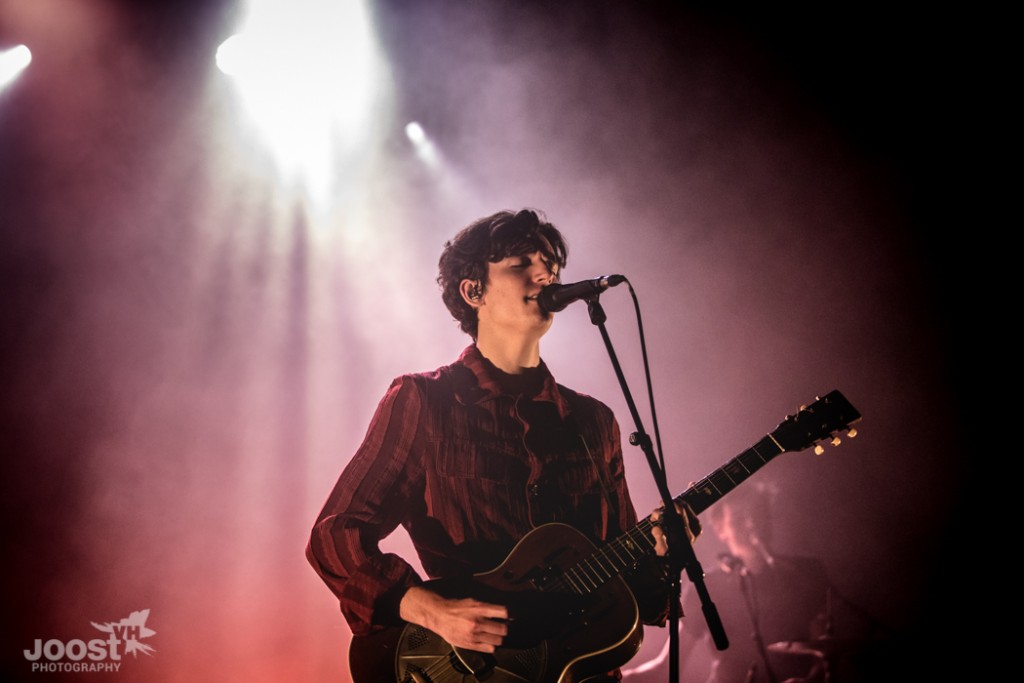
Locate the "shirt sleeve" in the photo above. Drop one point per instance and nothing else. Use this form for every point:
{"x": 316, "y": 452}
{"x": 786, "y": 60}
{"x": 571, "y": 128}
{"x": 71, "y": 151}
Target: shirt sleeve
{"x": 366, "y": 505}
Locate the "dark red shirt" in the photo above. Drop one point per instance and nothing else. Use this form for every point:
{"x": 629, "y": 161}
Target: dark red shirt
{"x": 468, "y": 460}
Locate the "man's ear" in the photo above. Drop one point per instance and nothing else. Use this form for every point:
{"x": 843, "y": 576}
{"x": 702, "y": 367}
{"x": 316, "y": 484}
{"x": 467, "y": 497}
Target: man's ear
{"x": 472, "y": 291}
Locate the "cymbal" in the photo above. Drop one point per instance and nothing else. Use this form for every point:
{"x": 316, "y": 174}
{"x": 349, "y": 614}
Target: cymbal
{"x": 824, "y": 647}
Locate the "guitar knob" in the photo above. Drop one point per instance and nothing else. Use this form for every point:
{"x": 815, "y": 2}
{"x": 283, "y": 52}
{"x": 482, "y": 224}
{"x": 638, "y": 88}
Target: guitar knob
{"x": 819, "y": 449}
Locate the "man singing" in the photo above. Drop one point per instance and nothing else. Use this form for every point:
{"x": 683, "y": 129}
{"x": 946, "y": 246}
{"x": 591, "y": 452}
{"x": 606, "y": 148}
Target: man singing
{"x": 471, "y": 457}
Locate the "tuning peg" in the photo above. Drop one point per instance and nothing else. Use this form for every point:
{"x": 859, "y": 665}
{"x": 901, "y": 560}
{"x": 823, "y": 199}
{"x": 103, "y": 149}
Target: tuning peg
{"x": 836, "y": 441}
{"x": 852, "y": 433}
{"x": 819, "y": 449}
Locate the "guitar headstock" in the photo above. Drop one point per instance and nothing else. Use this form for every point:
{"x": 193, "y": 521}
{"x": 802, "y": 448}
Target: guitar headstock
{"x": 818, "y": 422}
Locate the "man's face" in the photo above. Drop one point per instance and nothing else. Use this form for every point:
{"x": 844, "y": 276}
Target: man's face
{"x": 509, "y": 302}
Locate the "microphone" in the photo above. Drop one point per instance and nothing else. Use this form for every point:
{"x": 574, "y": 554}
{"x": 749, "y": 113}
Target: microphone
{"x": 554, "y": 298}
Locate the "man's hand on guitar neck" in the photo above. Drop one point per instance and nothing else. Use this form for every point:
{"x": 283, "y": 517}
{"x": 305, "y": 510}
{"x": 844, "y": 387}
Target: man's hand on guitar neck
{"x": 465, "y": 623}
{"x": 690, "y": 521}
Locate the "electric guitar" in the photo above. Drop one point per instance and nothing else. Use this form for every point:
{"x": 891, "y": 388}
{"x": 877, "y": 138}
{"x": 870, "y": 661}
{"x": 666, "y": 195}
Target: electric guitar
{"x": 571, "y": 614}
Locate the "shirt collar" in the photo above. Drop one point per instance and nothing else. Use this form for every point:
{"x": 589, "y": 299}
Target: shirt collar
{"x": 480, "y": 384}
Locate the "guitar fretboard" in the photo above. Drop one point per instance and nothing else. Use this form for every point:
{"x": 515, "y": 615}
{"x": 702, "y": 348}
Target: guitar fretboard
{"x": 711, "y": 488}
{"x": 624, "y": 552}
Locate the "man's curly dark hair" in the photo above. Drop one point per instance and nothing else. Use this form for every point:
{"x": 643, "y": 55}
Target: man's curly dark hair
{"x": 489, "y": 240}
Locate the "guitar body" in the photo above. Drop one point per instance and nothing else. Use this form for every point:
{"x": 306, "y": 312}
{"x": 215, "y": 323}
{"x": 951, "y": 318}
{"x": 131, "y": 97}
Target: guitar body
{"x": 558, "y": 632}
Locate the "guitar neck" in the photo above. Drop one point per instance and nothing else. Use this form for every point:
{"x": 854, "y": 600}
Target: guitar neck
{"x": 623, "y": 552}
{"x": 808, "y": 426}
{"x": 711, "y": 488}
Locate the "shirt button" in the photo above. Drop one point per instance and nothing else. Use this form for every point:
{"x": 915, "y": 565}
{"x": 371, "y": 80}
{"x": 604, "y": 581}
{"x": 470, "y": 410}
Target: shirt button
{"x": 534, "y": 490}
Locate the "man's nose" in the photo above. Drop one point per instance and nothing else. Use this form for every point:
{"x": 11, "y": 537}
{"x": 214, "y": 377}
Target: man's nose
{"x": 542, "y": 273}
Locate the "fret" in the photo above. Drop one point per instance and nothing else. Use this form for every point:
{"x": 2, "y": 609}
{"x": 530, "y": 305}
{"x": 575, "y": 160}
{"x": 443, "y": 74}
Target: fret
{"x": 627, "y": 545}
{"x": 766, "y": 444}
{"x": 709, "y": 481}
{"x": 608, "y": 573}
{"x": 633, "y": 541}
{"x": 738, "y": 460}
{"x": 736, "y": 472}
{"x": 596, "y": 569}
{"x": 614, "y": 547}
{"x": 723, "y": 482}
{"x": 643, "y": 530}
{"x": 573, "y": 585}
{"x": 581, "y": 579}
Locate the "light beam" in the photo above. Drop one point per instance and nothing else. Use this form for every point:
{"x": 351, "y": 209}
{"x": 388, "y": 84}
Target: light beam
{"x": 12, "y": 62}
{"x": 310, "y": 78}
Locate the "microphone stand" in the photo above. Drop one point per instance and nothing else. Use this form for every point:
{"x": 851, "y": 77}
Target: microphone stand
{"x": 680, "y": 554}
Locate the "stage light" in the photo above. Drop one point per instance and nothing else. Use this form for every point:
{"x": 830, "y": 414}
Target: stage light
{"x": 310, "y": 75}
{"x": 424, "y": 147}
{"x": 415, "y": 133}
{"x": 12, "y": 62}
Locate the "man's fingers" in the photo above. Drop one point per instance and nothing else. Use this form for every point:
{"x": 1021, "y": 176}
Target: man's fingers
{"x": 491, "y": 627}
{"x": 479, "y": 626}
{"x": 490, "y": 611}
{"x": 490, "y": 637}
{"x": 690, "y": 522}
